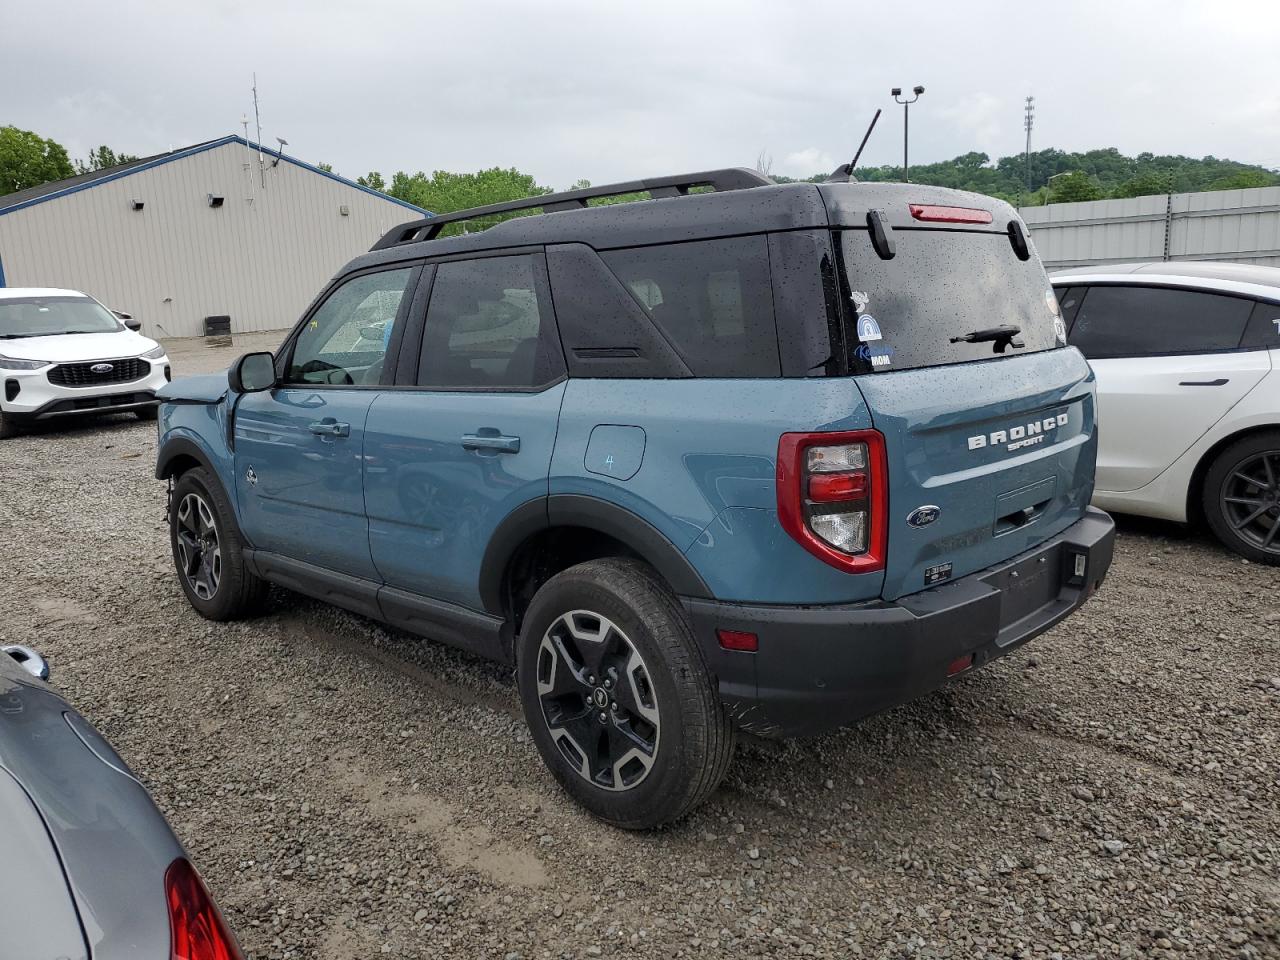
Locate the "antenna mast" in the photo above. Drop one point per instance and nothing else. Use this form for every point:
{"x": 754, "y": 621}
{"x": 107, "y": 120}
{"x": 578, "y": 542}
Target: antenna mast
{"x": 257, "y": 120}
{"x": 1029, "y": 122}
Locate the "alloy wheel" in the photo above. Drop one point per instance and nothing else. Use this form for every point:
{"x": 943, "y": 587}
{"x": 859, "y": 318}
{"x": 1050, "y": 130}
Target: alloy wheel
{"x": 1251, "y": 500}
{"x": 598, "y": 700}
{"x": 199, "y": 551}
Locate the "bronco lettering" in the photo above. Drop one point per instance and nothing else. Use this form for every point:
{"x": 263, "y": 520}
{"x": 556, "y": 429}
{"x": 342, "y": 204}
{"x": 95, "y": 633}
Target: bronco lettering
{"x": 1023, "y": 435}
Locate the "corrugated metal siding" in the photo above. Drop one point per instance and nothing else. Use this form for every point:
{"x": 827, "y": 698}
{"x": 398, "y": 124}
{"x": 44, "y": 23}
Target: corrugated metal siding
{"x": 1242, "y": 226}
{"x": 260, "y": 258}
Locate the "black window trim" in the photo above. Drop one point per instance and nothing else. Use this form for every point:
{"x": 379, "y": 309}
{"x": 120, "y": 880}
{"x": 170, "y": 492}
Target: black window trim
{"x": 284, "y": 355}
{"x": 406, "y": 371}
{"x": 1087, "y": 285}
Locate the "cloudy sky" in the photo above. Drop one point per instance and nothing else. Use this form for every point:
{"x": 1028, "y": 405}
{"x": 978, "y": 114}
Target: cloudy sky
{"x": 605, "y": 90}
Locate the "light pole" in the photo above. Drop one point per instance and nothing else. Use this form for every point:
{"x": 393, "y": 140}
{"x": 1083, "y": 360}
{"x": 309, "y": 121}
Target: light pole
{"x": 906, "y": 106}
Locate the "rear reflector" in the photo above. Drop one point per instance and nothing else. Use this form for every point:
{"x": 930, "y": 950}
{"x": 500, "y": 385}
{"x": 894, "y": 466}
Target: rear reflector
{"x": 196, "y": 928}
{"x": 738, "y": 640}
{"x": 960, "y": 664}
{"x": 936, "y": 214}
{"x": 834, "y": 487}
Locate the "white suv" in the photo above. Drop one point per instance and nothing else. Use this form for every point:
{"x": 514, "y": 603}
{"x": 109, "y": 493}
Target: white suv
{"x": 1187, "y": 356}
{"x": 63, "y": 353}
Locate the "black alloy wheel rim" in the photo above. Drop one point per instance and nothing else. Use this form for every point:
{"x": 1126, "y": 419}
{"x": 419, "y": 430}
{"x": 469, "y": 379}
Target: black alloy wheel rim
{"x": 199, "y": 551}
{"x": 598, "y": 700}
{"x": 1251, "y": 501}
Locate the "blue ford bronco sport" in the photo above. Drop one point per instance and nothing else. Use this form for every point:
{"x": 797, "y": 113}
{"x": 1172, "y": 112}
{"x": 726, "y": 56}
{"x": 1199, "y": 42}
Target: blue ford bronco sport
{"x": 739, "y": 456}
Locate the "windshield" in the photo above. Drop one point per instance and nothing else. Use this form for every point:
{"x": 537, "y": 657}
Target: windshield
{"x": 49, "y": 316}
{"x": 948, "y": 296}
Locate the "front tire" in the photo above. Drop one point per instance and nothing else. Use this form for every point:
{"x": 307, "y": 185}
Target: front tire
{"x": 208, "y": 552}
{"x": 1241, "y": 497}
{"x": 7, "y": 427}
{"x": 617, "y": 697}
{"x": 148, "y": 413}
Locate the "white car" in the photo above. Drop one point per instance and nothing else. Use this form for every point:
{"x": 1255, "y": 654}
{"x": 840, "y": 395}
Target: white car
{"x": 62, "y": 353}
{"x": 1187, "y": 356}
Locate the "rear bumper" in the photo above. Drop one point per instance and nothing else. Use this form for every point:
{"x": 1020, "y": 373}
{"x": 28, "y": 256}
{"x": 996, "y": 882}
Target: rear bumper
{"x": 821, "y": 667}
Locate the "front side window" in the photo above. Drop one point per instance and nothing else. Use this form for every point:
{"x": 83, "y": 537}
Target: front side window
{"x": 712, "y": 299}
{"x": 488, "y": 325}
{"x": 345, "y": 341}
{"x": 1133, "y": 321}
{"x": 23, "y": 317}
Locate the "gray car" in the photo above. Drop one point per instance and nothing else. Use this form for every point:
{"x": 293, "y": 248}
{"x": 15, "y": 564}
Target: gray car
{"x": 88, "y": 865}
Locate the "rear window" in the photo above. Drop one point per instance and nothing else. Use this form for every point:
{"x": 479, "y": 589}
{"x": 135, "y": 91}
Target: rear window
{"x": 941, "y": 286}
{"x": 711, "y": 299}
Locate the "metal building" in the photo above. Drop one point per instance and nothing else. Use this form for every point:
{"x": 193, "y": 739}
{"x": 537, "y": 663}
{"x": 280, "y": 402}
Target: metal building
{"x": 222, "y": 228}
{"x": 1242, "y": 226}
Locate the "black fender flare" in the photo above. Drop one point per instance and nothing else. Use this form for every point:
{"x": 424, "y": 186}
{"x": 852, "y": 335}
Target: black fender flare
{"x": 591, "y": 513}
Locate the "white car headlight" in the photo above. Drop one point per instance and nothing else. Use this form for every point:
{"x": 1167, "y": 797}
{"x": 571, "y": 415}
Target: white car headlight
{"x": 155, "y": 354}
{"x": 8, "y": 363}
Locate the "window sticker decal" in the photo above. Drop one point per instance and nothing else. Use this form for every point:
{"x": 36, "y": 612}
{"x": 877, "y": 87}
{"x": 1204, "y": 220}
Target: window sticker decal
{"x": 860, "y": 300}
{"x": 881, "y": 356}
{"x": 868, "y": 328}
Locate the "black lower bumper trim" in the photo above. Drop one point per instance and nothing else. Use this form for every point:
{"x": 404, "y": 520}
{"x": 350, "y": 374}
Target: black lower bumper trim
{"x": 72, "y": 406}
{"x": 821, "y": 667}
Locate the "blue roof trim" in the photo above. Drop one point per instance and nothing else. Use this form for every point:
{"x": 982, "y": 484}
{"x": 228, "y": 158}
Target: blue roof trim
{"x": 1, "y": 272}
{"x": 211, "y": 145}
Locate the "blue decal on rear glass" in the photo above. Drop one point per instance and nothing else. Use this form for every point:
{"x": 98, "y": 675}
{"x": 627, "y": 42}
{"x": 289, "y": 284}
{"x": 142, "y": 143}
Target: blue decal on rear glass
{"x": 878, "y": 356}
{"x": 868, "y": 329}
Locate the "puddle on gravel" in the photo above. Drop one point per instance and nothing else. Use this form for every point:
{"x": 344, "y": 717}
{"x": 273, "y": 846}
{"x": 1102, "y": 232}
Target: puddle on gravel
{"x": 461, "y": 847}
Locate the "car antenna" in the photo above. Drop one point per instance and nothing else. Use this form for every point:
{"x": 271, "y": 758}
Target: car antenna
{"x": 844, "y": 172}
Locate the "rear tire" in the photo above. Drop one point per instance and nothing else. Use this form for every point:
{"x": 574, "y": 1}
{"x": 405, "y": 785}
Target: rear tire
{"x": 208, "y": 552}
{"x": 1241, "y": 497}
{"x": 607, "y": 639}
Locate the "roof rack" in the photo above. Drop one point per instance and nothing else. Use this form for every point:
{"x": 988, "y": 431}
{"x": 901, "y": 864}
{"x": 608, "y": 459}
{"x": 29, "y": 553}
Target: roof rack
{"x": 732, "y": 178}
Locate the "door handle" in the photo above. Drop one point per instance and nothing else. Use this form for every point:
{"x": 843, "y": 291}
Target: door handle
{"x": 1220, "y": 382}
{"x": 494, "y": 441}
{"x": 331, "y": 428}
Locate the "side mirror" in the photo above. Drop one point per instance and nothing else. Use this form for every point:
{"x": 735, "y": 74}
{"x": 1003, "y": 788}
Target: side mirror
{"x": 28, "y": 659}
{"x": 128, "y": 321}
{"x": 252, "y": 373}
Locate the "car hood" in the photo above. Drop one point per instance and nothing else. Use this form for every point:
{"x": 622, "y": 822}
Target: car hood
{"x": 207, "y": 388}
{"x": 78, "y": 347}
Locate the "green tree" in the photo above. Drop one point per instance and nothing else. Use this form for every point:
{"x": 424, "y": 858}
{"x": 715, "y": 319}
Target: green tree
{"x": 373, "y": 180}
{"x": 326, "y": 167}
{"x": 1075, "y": 186}
{"x": 445, "y": 192}
{"x": 1143, "y": 185}
{"x": 1243, "y": 180}
{"x": 100, "y": 158}
{"x": 28, "y": 160}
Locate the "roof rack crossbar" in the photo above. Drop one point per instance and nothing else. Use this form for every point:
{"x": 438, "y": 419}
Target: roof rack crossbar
{"x": 733, "y": 178}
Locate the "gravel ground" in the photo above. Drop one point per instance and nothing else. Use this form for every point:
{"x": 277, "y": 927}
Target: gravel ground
{"x": 1113, "y": 789}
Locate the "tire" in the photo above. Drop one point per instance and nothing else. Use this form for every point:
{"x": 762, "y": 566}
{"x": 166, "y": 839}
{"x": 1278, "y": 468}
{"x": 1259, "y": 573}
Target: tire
{"x": 8, "y": 428}
{"x": 1241, "y": 497}
{"x": 665, "y": 742}
{"x": 208, "y": 552}
{"x": 147, "y": 413}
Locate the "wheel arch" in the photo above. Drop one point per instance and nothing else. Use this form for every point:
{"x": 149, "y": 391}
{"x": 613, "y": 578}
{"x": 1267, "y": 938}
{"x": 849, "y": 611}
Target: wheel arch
{"x": 547, "y": 535}
{"x": 1195, "y": 488}
{"x": 179, "y": 455}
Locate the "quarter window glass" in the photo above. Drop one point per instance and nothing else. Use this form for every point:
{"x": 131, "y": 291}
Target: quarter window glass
{"x": 1120, "y": 321}
{"x": 486, "y": 326}
{"x": 712, "y": 300}
{"x": 1263, "y": 332}
{"x": 346, "y": 340}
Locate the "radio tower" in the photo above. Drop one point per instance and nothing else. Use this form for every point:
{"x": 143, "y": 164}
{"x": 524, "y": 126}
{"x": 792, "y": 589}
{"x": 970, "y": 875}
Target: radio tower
{"x": 1029, "y": 122}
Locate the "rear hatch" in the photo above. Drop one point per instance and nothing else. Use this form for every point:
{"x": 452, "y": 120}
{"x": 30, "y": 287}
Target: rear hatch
{"x": 960, "y": 354}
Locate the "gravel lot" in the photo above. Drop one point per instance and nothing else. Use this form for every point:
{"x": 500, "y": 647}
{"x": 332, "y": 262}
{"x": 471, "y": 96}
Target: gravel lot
{"x": 348, "y": 791}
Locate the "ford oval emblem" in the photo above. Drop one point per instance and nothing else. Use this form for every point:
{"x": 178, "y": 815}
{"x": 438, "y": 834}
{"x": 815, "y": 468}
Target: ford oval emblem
{"x": 102, "y": 368}
{"x": 923, "y": 516}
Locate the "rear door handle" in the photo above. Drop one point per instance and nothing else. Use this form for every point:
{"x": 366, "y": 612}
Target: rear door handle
{"x": 494, "y": 441}
{"x": 1220, "y": 382}
{"x": 331, "y": 428}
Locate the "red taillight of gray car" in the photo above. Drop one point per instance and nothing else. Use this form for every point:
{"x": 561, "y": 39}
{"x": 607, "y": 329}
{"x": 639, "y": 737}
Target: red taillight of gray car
{"x": 196, "y": 928}
{"x": 833, "y": 496}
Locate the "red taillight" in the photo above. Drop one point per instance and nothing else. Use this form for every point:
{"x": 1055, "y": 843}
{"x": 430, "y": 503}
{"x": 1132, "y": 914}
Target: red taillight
{"x": 833, "y": 496}
{"x": 196, "y": 928}
{"x": 937, "y": 214}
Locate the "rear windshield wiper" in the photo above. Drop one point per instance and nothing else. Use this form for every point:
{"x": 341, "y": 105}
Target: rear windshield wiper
{"x": 1001, "y": 336}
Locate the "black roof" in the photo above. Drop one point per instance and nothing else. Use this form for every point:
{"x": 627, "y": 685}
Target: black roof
{"x": 57, "y": 186}
{"x": 746, "y": 209}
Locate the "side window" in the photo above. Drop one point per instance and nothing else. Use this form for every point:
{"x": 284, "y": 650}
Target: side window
{"x": 489, "y": 325}
{"x": 346, "y": 339}
{"x": 712, "y": 299}
{"x": 1263, "y": 332}
{"x": 1120, "y": 321}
